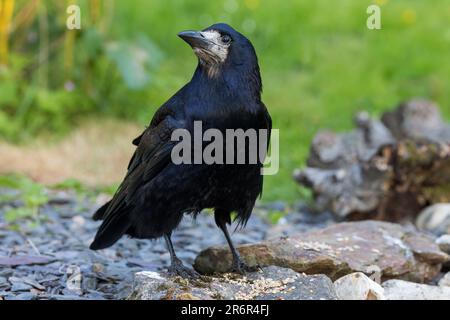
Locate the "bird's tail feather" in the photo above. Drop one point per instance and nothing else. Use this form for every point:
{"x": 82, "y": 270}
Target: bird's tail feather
{"x": 112, "y": 229}
{"x": 100, "y": 213}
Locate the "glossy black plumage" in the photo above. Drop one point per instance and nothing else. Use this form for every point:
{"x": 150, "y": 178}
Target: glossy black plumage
{"x": 155, "y": 193}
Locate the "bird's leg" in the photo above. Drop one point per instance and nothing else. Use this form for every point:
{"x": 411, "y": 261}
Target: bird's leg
{"x": 176, "y": 266}
{"x": 237, "y": 265}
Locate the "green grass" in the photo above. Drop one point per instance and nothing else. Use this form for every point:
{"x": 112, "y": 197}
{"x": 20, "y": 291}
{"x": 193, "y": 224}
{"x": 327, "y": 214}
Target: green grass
{"x": 319, "y": 62}
{"x": 32, "y": 194}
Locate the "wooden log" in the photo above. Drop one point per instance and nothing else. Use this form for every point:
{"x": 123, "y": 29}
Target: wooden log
{"x": 386, "y": 170}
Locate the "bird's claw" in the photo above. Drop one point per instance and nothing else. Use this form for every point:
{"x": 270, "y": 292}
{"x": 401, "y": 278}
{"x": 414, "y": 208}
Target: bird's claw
{"x": 242, "y": 268}
{"x": 179, "y": 269}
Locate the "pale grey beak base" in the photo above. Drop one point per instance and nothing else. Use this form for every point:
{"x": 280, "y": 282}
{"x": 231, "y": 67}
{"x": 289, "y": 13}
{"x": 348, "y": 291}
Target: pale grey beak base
{"x": 208, "y": 47}
{"x": 195, "y": 39}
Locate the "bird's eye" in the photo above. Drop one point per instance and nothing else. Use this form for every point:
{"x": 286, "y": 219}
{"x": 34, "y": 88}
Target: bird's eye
{"x": 226, "y": 39}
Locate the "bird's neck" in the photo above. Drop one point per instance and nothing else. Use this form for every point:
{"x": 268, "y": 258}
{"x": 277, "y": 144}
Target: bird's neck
{"x": 237, "y": 82}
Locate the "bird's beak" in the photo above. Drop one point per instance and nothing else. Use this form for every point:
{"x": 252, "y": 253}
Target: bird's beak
{"x": 195, "y": 39}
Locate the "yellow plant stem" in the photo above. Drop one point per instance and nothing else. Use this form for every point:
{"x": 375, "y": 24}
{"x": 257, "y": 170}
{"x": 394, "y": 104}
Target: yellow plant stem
{"x": 44, "y": 46}
{"x": 6, "y": 13}
{"x": 69, "y": 43}
{"x": 25, "y": 16}
{"x": 95, "y": 10}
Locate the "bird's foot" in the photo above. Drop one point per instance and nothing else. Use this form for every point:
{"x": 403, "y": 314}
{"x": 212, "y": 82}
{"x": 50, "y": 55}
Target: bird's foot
{"x": 177, "y": 268}
{"x": 241, "y": 267}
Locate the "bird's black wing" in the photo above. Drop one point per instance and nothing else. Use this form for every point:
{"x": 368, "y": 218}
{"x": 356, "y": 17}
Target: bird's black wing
{"x": 268, "y": 126}
{"x": 152, "y": 154}
{"x": 168, "y": 109}
{"x": 268, "y": 120}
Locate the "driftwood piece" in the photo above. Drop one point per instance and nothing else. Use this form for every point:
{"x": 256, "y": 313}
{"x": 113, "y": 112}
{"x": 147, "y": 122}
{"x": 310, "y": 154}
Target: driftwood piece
{"x": 388, "y": 169}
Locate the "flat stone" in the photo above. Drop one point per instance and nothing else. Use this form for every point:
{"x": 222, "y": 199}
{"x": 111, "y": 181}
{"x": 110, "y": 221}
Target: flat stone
{"x": 357, "y": 286}
{"x": 404, "y": 290}
{"x": 6, "y": 273}
{"x": 3, "y": 282}
{"x": 20, "y": 286}
{"x": 444, "y": 243}
{"x": 365, "y": 246}
{"x": 435, "y": 218}
{"x": 445, "y": 280}
{"x": 22, "y": 296}
{"x": 64, "y": 297}
{"x": 34, "y": 284}
{"x": 271, "y": 283}
{"x": 24, "y": 260}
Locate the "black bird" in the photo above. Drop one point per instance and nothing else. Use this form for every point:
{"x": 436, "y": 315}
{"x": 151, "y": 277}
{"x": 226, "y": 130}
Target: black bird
{"x": 224, "y": 93}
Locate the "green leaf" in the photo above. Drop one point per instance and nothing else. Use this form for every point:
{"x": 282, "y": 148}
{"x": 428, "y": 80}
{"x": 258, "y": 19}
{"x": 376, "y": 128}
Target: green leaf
{"x": 134, "y": 60}
{"x": 33, "y": 194}
{"x": 11, "y": 181}
{"x": 275, "y": 215}
{"x": 72, "y": 184}
{"x": 18, "y": 213}
{"x": 8, "y": 93}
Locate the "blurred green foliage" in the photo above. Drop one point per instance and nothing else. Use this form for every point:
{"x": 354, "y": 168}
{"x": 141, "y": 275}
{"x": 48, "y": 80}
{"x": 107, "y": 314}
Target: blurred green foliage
{"x": 82, "y": 190}
{"x": 319, "y": 63}
{"x": 56, "y": 76}
{"x": 33, "y": 195}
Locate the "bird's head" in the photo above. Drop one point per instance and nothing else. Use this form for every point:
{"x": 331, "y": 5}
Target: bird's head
{"x": 219, "y": 47}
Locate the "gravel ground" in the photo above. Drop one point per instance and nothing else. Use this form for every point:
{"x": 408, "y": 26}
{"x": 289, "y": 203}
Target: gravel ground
{"x": 51, "y": 259}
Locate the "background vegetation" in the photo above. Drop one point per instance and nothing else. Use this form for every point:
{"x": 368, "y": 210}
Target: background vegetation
{"x": 319, "y": 62}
